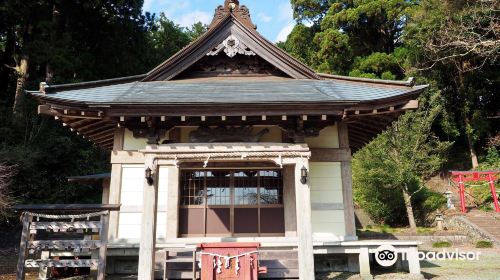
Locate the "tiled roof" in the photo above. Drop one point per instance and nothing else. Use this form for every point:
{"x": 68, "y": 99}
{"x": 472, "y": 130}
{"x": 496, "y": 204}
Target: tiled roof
{"x": 231, "y": 91}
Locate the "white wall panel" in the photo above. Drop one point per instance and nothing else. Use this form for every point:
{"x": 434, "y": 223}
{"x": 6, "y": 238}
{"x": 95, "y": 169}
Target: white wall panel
{"x": 328, "y": 138}
{"x": 326, "y": 189}
{"x": 132, "y": 199}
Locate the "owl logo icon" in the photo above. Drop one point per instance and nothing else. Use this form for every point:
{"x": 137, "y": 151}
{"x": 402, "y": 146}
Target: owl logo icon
{"x": 386, "y": 255}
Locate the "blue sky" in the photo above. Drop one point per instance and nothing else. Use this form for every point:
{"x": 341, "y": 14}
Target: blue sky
{"x": 274, "y": 18}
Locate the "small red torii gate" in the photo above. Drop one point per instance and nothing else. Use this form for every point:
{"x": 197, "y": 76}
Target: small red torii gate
{"x": 461, "y": 177}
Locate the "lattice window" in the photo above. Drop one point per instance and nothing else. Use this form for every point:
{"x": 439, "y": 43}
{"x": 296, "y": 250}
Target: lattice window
{"x": 246, "y": 188}
{"x": 218, "y": 187}
{"x": 192, "y": 187}
{"x": 271, "y": 187}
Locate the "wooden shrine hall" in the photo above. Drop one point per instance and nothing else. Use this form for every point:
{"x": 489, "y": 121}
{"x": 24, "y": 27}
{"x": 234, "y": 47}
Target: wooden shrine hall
{"x": 231, "y": 140}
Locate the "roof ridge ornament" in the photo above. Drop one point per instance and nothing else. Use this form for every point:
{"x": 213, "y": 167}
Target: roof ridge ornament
{"x": 232, "y": 46}
{"x": 242, "y": 13}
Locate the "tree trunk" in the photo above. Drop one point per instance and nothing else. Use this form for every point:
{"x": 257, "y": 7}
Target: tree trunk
{"x": 22, "y": 76}
{"x": 409, "y": 210}
{"x": 54, "y": 35}
{"x": 470, "y": 142}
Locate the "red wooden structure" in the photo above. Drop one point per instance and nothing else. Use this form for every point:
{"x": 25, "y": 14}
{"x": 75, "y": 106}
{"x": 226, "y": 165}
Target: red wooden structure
{"x": 238, "y": 261}
{"x": 460, "y": 177}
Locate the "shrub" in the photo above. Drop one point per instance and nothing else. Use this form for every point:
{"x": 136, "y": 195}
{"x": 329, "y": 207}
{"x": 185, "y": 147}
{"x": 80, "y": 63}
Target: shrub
{"x": 484, "y": 244}
{"x": 441, "y": 244}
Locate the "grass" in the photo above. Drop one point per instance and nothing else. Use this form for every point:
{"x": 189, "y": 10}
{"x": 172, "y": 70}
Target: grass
{"x": 396, "y": 230}
{"x": 441, "y": 244}
{"x": 484, "y": 244}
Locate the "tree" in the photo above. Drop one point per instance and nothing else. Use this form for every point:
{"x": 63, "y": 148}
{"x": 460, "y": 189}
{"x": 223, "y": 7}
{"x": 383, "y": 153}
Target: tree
{"x": 457, "y": 44}
{"x": 6, "y": 174}
{"x": 348, "y": 34}
{"x": 196, "y": 30}
{"x": 167, "y": 38}
{"x": 310, "y": 10}
{"x": 404, "y": 156}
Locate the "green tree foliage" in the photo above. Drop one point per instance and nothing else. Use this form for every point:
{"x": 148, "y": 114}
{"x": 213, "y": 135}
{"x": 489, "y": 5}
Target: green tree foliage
{"x": 166, "y": 38}
{"x": 452, "y": 45}
{"x": 59, "y": 42}
{"x": 310, "y": 10}
{"x": 196, "y": 30}
{"x": 360, "y": 38}
{"x": 457, "y": 45}
{"x": 399, "y": 161}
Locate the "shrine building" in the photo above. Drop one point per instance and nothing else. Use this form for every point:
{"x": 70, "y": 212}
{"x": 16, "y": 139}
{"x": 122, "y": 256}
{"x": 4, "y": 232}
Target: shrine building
{"x": 230, "y": 140}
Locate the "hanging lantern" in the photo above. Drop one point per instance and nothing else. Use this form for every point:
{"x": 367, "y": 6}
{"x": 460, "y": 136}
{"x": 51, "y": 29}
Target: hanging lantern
{"x": 303, "y": 175}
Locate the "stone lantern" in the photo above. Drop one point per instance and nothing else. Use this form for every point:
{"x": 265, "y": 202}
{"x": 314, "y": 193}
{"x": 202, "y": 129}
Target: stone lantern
{"x": 449, "y": 203}
{"x": 439, "y": 221}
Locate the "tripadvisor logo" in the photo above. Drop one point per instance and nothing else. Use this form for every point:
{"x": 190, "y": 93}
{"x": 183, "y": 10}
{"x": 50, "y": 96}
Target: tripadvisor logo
{"x": 386, "y": 255}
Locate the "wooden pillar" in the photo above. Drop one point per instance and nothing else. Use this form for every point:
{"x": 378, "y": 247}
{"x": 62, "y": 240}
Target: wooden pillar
{"x": 462, "y": 193}
{"x": 105, "y": 190}
{"x": 289, "y": 201}
{"x": 347, "y": 197}
{"x": 114, "y": 198}
{"x": 115, "y": 185}
{"x": 304, "y": 228}
{"x": 173, "y": 202}
{"x": 43, "y": 270}
{"x": 148, "y": 227}
{"x": 103, "y": 250}
{"x": 493, "y": 192}
{"x": 25, "y": 235}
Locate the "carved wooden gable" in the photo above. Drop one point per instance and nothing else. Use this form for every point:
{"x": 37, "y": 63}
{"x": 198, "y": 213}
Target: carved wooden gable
{"x": 231, "y": 47}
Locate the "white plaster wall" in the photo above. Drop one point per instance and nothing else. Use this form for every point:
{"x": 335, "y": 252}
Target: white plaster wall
{"x": 131, "y": 199}
{"x": 326, "y": 190}
{"x": 328, "y": 138}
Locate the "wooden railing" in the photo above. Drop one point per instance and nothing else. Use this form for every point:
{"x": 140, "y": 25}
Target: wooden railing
{"x": 79, "y": 225}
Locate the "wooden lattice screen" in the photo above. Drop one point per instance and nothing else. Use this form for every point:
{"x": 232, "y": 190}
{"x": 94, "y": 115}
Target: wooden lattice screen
{"x": 78, "y": 231}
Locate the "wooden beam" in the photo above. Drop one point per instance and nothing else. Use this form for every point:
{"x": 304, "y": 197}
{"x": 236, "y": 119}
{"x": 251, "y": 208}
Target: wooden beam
{"x": 107, "y": 136}
{"x": 95, "y": 135}
{"x": 361, "y": 140}
{"x": 361, "y": 137}
{"x": 104, "y": 126}
{"x": 330, "y": 155}
{"x": 90, "y": 126}
{"x": 77, "y": 123}
{"x": 411, "y": 105}
{"x": 372, "y": 129}
{"x": 105, "y": 142}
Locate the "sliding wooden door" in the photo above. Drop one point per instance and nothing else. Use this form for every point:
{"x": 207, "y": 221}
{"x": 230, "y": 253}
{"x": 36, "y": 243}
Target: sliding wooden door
{"x": 231, "y": 202}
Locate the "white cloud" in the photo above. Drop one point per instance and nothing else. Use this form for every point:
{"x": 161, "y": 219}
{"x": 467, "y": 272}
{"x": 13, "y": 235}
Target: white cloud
{"x": 263, "y": 17}
{"x": 285, "y": 12}
{"x": 190, "y": 18}
{"x": 147, "y": 5}
{"x": 284, "y": 32}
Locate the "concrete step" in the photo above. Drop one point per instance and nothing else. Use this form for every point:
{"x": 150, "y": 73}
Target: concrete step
{"x": 486, "y": 221}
